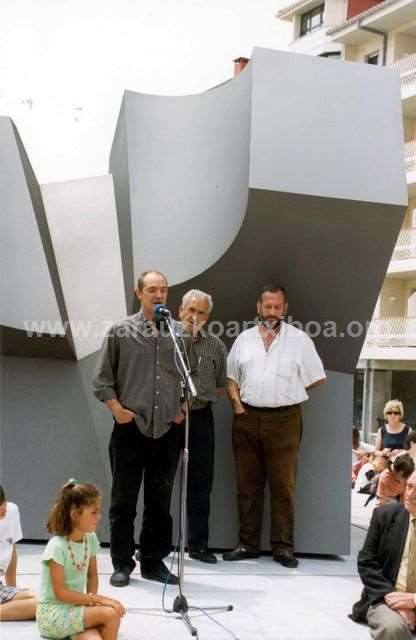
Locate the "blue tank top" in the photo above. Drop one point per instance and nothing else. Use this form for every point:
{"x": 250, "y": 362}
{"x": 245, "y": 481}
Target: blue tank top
{"x": 393, "y": 440}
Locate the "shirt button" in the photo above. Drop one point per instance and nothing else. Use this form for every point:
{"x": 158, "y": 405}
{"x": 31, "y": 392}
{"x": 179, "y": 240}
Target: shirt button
{"x": 157, "y": 377}
{"x": 156, "y": 407}
{"x": 157, "y": 392}
{"x": 157, "y": 361}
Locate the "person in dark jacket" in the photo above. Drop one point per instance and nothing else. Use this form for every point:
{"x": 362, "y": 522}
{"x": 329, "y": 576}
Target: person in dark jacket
{"x": 387, "y": 568}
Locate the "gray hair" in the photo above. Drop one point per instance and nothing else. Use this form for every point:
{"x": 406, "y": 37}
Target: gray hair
{"x": 199, "y": 295}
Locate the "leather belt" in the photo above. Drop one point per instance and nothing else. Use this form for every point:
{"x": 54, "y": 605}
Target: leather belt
{"x": 269, "y": 409}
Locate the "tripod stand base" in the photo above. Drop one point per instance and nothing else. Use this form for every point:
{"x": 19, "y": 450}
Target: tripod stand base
{"x": 180, "y": 604}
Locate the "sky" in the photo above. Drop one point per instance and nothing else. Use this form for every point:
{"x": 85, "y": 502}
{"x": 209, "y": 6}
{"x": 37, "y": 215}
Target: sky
{"x": 64, "y": 65}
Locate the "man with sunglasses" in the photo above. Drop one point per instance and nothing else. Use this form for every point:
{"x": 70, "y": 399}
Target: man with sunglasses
{"x": 270, "y": 367}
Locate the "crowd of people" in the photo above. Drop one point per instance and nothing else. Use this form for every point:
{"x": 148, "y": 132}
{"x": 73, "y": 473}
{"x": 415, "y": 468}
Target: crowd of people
{"x": 382, "y": 470}
{"x": 387, "y": 561}
{"x": 266, "y": 376}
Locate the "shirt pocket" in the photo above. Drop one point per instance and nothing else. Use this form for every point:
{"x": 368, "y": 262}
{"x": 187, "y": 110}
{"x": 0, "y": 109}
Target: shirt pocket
{"x": 286, "y": 368}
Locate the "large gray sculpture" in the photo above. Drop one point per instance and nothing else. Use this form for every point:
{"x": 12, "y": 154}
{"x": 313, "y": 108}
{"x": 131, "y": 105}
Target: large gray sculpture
{"x": 282, "y": 174}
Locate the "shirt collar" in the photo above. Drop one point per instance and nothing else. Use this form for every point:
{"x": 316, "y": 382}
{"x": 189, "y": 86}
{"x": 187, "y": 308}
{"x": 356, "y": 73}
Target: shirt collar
{"x": 281, "y": 332}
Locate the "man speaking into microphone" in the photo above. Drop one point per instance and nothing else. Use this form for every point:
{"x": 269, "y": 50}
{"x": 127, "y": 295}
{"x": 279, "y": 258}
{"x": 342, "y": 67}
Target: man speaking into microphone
{"x": 269, "y": 369}
{"x": 137, "y": 378}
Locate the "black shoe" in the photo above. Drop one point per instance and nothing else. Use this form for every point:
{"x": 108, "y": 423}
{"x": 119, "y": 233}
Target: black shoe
{"x": 121, "y": 575}
{"x": 286, "y": 558}
{"x": 204, "y": 556}
{"x": 157, "y": 571}
{"x": 240, "y": 553}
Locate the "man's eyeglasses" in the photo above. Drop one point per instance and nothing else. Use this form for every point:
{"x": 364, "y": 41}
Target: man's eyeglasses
{"x": 393, "y": 413}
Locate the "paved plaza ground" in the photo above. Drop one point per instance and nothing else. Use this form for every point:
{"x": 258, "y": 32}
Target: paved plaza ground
{"x": 269, "y": 602}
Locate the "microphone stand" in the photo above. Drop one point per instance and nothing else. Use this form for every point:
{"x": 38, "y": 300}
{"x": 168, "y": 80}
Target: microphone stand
{"x": 180, "y": 604}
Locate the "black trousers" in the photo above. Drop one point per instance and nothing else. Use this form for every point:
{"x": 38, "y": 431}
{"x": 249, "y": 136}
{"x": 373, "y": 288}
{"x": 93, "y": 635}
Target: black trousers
{"x": 134, "y": 457}
{"x": 200, "y": 476}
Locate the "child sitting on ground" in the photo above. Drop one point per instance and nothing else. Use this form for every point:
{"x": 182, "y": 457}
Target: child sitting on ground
{"x": 363, "y": 458}
{"x": 369, "y": 473}
{"x": 392, "y": 482}
{"x": 15, "y": 603}
{"x": 69, "y": 604}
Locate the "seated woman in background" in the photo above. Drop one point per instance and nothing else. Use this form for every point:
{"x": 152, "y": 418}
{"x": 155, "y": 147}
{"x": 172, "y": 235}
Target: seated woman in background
{"x": 15, "y": 604}
{"x": 392, "y": 482}
{"x": 392, "y": 435}
{"x": 410, "y": 444}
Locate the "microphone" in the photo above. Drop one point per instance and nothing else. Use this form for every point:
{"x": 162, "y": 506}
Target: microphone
{"x": 161, "y": 312}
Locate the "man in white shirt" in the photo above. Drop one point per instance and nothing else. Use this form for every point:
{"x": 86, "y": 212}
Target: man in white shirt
{"x": 269, "y": 369}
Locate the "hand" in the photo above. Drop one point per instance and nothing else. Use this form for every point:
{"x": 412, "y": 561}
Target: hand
{"x": 123, "y": 416}
{"x": 409, "y": 616}
{"x": 114, "y": 604}
{"x": 395, "y": 452}
{"x": 240, "y": 411}
{"x": 400, "y": 600}
{"x": 180, "y": 417}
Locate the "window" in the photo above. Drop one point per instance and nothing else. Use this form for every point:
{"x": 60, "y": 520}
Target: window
{"x": 372, "y": 58}
{"x": 335, "y": 55}
{"x": 312, "y": 20}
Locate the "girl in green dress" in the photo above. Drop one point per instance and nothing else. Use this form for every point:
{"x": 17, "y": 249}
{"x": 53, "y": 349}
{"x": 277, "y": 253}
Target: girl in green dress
{"x": 69, "y": 605}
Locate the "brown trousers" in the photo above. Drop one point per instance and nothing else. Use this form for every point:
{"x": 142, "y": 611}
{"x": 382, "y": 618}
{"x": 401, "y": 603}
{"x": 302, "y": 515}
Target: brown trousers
{"x": 266, "y": 444}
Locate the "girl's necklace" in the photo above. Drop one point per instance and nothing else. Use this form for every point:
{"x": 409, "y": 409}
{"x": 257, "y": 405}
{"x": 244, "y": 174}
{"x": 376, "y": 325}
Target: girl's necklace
{"x": 78, "y": 565}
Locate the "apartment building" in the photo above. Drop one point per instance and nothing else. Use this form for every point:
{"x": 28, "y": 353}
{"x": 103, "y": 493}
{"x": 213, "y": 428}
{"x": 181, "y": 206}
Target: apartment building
{"x": 378, "y": 33}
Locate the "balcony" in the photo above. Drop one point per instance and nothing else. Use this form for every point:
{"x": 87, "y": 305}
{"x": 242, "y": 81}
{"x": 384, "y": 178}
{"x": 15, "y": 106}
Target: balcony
{"x": 314, "y": 43}
{"x": 390, "y": 339}
{"x": 410, "y": 156}
{"x": 410, "y": 159}
{"x": 403, "y": 260}
{"x": 405, "y": 246}
{"x": 407, "y": 68}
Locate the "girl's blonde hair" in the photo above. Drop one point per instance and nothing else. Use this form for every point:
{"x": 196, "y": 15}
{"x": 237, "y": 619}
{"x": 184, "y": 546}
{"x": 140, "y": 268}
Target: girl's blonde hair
{"x": 393, "y": 405}
{"x": 73, "y": 495}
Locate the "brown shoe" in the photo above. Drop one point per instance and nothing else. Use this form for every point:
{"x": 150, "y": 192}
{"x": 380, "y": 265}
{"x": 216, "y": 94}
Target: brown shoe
{"x": 240, "y": 553}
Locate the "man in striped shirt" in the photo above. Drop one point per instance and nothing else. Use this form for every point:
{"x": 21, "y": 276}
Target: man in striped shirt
{"x": 212, "y": 362}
